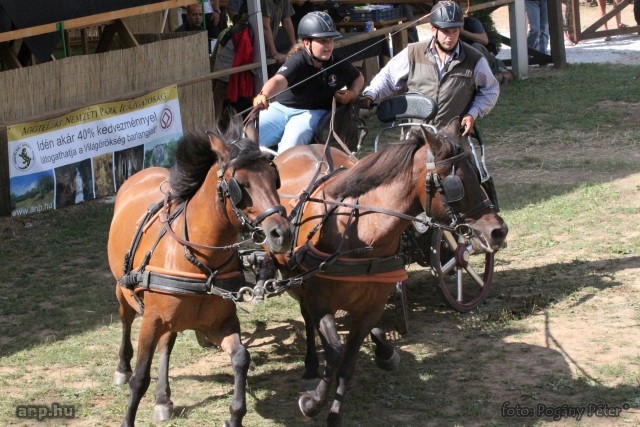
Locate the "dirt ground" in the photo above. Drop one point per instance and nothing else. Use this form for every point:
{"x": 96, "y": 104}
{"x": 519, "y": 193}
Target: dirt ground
{"x": 622, "y": 49}
{"x": 581, "y": 336}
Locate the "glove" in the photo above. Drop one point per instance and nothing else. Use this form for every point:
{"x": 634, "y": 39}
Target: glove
{"x": 366, "y": 102}
{"x": 345, "y": 96}
{"x": 261, "y": 101}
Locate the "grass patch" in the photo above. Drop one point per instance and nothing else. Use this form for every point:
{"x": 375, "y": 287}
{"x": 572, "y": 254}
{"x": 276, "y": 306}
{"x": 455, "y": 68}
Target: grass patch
{"x": 563, "y": 148}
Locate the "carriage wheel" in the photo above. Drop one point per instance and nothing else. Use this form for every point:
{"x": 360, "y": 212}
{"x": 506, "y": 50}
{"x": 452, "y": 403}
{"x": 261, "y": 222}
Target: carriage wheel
{"x": 401, "y": 303}
{"x": 464, "y": 276}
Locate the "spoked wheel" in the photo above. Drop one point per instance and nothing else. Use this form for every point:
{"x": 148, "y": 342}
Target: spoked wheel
{"x": 401, "y": 303}
{"x": 464, "y": 276}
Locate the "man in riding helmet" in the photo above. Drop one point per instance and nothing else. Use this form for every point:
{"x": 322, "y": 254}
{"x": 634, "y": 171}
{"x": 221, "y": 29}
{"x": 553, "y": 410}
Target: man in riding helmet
{"x": 444, "y": 68}
{"x": 312, "y": 76}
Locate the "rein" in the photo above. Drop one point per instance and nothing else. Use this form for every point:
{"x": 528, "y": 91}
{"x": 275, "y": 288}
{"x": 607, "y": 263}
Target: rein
{"x": 338, "y": 267}
{"x": 211, "y": 282}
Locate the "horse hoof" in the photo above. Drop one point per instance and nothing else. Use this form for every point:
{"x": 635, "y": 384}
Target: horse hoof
{"x": 301, "y": 416}
{"x": 306, "y": 411}
{"x": 391, "y": 364}
{"x": 121, "y": 378}
{"x": 163, "y": 412}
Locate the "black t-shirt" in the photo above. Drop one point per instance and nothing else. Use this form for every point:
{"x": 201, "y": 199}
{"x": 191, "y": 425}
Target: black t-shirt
{"x": 317, "y": 92}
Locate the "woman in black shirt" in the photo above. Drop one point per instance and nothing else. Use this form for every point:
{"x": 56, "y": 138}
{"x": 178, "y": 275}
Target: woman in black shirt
{"x": 293, "y": 115}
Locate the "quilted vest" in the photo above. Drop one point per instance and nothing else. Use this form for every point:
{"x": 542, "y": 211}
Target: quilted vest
{"x": 455, "y": 91}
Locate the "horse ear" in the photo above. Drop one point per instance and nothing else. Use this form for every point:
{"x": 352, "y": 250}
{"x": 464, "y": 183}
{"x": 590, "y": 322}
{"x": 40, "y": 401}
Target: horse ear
{"x": 250, "y": 131}
{"x": 219, "y": 147}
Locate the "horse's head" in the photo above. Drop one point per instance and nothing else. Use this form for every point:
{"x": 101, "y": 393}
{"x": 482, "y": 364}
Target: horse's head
{"x": 248, "y": 181}
{"x": 455, "y": 194}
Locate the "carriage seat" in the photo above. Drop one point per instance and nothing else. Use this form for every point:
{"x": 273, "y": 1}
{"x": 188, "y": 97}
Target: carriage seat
{"x": 408, "y": 106}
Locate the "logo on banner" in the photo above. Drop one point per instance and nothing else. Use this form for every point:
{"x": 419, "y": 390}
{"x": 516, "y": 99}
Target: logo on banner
{"x": 166, "y": 118}
{"x": 23, "y": 157}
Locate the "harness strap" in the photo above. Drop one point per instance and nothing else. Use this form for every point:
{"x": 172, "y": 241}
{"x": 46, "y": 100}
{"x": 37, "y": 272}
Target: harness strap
{"x": 128, "y": 257}
{"x": 333, "y": 132}
{"x": 310, "y": 258}
{"x": 368, "y": 208}
{"x": 296, "y": 213}
{"x": 154, "y": 281}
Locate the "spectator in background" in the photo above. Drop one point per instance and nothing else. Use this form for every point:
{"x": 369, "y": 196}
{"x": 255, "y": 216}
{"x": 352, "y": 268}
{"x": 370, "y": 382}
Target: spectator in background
{"x": 473, "y": 33}
{"x": 274, "y": 13}
{"x": 215, "y": 18}
{"x": 301, "y": 7}
{"x": 193, "y": 19}
{"x": 538, "y": 18}
{"x": 234, "y": 48}
{"x": 407, "y": 11}
{"x": 602, "y": 4}
{"x": 567, "y": 23}
{"x": 235, "y": 8}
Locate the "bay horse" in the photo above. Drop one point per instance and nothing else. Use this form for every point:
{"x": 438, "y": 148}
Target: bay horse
{"x": 347, "y": 239}
{"x": 172, "y": 248}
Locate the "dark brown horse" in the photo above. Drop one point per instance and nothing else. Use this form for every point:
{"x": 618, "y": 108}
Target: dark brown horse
{"x": 347, "y": 240}
{"x": 176, "y": 260}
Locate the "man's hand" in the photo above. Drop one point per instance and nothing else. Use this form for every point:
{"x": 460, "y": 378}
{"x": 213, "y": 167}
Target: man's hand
{"x": 466, "y": 125}
{"x": 345, "y": 96}
{"x": 280, "y": 58}
{"x": 366, "y": 102}
{"x": 261, "y": 101}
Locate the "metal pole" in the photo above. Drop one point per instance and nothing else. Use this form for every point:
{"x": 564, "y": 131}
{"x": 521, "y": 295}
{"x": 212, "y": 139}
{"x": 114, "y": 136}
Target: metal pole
{"x": 260, "y": 54}
{"x": 518, "y": 27}
{"x": 60, "y": 27}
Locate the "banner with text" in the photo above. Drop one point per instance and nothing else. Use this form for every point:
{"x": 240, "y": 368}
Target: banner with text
{"x": 90, "y": 152}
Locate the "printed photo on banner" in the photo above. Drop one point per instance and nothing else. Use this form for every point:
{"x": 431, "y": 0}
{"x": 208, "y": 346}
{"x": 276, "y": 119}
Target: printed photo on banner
{"x": 90, "y": 152}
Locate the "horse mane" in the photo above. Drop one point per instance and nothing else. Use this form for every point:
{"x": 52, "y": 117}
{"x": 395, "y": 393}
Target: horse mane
{"x": 194, "y": 157}
{"x": 394, "y": 161}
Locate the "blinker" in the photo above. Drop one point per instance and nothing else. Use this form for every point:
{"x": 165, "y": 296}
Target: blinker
{"x": 235, "y": 191}
{"x": 452, "y": 188}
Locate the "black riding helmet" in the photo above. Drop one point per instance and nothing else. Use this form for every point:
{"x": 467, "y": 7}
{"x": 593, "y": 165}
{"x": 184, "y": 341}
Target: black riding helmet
{"x": 446, "y": 14}
{"x": 317, "y": 25}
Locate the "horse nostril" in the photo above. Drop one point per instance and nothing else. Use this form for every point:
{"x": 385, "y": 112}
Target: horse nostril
{"x": 498, "y": 235}
{"x": 275, "y": 236}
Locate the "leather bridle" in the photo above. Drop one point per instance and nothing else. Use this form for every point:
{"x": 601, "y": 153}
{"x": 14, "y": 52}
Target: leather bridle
{"x": 232, "y": 191}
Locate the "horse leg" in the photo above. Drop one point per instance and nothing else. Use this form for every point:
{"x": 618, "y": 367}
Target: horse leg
{"x": 387, "y": 357}
{"x": 240, "y": 360}
{"x": 164, "y": 406}
{"x": 127, "y": 315}
{"x": 311, "y": 402}
{"x": 139, "y": 383}
{"x": 345, "y": 372}
{"x": 311, "y": 363}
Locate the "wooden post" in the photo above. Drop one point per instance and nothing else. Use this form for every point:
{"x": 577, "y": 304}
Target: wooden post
{"x": 5, "y": 196}
{"x": 556, "y": 33}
